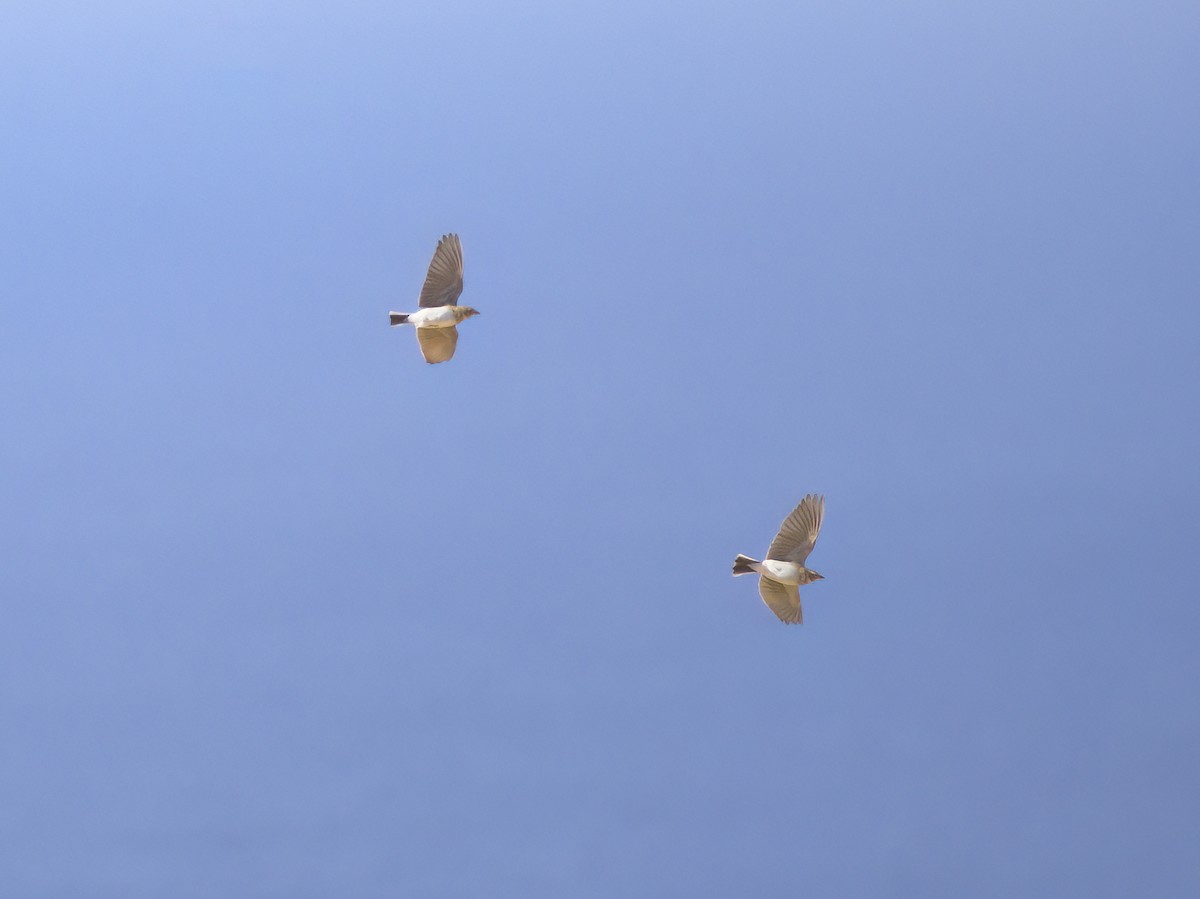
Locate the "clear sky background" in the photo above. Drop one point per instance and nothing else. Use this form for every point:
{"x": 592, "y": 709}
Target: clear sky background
{"x": 289, "y": 613}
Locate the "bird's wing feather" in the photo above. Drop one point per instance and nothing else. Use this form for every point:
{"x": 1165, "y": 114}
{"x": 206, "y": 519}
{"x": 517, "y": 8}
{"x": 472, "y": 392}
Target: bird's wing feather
{"x": 782, "y": 599}
{"x": 437, "y": 344}
{"x": 798, "y": 534}
{"x": 444, "y": 282}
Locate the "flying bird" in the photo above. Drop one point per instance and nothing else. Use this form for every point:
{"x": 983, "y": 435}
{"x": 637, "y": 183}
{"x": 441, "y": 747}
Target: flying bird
{"x": 782, "y": 572}
{"x": 438, "y": 318}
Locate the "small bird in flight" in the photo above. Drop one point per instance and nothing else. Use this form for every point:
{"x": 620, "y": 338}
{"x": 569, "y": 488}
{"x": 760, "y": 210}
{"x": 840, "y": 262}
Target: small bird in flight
{"x": 437, "y": 319}
{"x": 783, "y": 571}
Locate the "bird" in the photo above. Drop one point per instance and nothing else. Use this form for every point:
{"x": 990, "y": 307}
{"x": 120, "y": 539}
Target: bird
{"x": 439, "y": 314}
{"x": 782, "y": 572}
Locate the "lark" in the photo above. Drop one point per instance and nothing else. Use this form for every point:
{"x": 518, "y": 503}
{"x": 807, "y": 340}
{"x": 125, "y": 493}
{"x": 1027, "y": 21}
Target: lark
{"x": 439, "y": 315}
{"x": 782, "y": 572}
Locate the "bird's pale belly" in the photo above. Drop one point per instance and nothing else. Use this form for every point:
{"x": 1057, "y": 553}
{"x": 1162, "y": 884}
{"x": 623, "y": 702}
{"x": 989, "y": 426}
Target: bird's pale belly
{"x": 784, "y": 572}
{"x": 437, "y": 317}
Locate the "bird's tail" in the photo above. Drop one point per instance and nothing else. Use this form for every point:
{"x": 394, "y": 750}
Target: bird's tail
{"x": 398, "y": 318}
{"x": 741, "y": 565}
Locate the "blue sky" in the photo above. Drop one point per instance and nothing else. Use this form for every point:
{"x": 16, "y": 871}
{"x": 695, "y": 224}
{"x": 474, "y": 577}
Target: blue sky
{"x": 290, "y": 613}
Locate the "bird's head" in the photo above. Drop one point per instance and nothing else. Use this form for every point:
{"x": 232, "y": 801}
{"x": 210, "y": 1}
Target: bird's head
{"x": 461, "y": 313}
{"x": 813, "y": 576}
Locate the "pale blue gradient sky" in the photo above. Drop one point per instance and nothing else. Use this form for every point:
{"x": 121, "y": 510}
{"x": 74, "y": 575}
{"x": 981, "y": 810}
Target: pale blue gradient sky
{"x": 289, "y": 613}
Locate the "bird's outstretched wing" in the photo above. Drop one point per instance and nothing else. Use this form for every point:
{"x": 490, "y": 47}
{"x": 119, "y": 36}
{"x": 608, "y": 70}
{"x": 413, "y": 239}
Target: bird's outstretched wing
{"x": 798, "y": 533}
{"x": 444, "y": 282}
{"x": 782, "y": 599}
{"x": 437, "y": 344}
